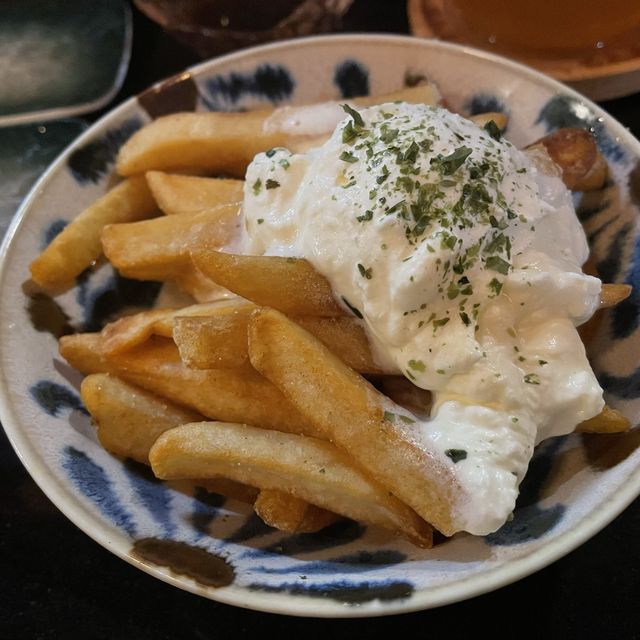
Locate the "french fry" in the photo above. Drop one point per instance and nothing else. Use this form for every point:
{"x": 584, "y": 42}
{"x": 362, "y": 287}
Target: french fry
{"x": 226, "y": 394}
{"x": 481, "y": 119}
{"x": 129, "y": 419}
{"x": 349, "y": 412}
{"x": 220, "y": 341}
{"x": 176, "y": 194}
{"x": 290, "y": 285}
{"x": 306, "y": 468}
{"x": 217, "y": 142}
{"x": 78, "y": 245}
{"x": 576, "y": 153}
{"x": 159, "y": 249}
{"x": 287, "y": 513}
{"x": 130, "y": 331}
{"x": 613, "y": 294}
{"x": 607, "y": 421}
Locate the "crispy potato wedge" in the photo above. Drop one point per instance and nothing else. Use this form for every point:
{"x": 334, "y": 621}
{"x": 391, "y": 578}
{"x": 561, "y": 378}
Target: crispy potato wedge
{"x": 290, "y": 285}
{"x": 306, "y": 468}
{"x": 287, "y": 513}
{"x": 129, "y": 419}
{"x": 613, "y": 294}
{"x": 176, "y": 194}
{"x": 481, "y": 119}
{"x": 607, "y": 421}
{"x": 576, "y": 153}
{"x": 353, "y": 415}
{"x": 130, "y": 331}
{"x": 239, "y": 395}
{"x": 220, "y": 341}
{"x": 78, "y": 245}
{"x": 159, "y": 249}
{"x": 217, "y": 142}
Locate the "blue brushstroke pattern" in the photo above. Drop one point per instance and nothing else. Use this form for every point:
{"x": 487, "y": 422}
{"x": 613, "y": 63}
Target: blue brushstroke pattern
{"x": 252, "y": 527}
{"x": 101, "y": 304}
{"x": 153, "y": 494}
{"x": 92, "y": 161}
{"x": 352, "y": 593}
{"x": 54, "y": 398}
{"x": 273, "y": 82}
{"x": 51, "y": 231}
{"x": 206, "y": 507}
{"x": 627, "y": 387}
{"x": 566, "y": 111}
{"x": 339, "y": 533}
{"x": 355, "y": 563}
{"x": 484, "y": 103}
{"x": 94, "y": 483}
{"x": 625, "y": 316}
{"x": 530, "y": 520}
{"x": 352, "y": 79}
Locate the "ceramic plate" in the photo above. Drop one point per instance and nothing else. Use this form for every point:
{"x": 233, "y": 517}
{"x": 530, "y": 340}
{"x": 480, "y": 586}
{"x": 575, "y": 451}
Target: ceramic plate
{"x": 575, "y": 484}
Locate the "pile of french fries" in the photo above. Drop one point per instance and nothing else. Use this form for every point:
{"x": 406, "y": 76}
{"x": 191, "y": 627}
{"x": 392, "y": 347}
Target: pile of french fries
{"x": 258, "y": 389}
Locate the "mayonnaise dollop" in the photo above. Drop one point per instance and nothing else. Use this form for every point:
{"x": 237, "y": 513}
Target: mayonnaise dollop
{"x": 463, "y": 259}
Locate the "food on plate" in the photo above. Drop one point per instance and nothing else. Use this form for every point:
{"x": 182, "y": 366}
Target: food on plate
{"x": 386, "y": 311}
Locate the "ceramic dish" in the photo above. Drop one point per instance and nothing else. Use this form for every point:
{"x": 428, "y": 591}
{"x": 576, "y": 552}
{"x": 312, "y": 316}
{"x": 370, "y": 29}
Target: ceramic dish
{"x": 57, "y": 59}
{"x": 575, "y": 484}
{"x": 606, "y": 74}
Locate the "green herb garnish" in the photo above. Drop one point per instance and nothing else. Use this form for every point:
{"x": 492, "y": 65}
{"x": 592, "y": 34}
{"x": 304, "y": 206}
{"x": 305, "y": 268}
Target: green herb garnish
{"x": 456, "y": 454}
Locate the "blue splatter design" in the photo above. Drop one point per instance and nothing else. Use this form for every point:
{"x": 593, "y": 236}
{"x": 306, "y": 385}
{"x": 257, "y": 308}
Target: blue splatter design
{"x": 352, "y": 79}
{"x": 530, "y": 520}
{"x": 273, "y": 82}
{"x": 253, "y": 527}
{"x": 93, "y": 160}
{"x": 206, "y": 507}
{"x": 348, "y": 592}
{"x": 153, "y": 494}
{"x": 566, "y": 111}
{"x": 341, "y": 532}
{"x": 54, "y": 398}
{"x": 484, "y": 103}
{"x": 92, "y": 481}
{"x": 355, "y": 563}
{"x": 52, "y": 230}
{"x": 102, "y": 303}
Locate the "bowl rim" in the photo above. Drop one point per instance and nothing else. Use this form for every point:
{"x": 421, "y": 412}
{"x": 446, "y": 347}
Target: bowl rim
{"x": 282, "y": 603}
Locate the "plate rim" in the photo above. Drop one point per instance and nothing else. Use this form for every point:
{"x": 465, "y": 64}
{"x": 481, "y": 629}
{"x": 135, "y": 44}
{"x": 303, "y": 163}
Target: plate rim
{"x": 283, "y": 603}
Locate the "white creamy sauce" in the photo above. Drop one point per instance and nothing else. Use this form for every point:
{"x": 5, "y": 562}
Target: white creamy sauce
{"x": 464, "y": 261}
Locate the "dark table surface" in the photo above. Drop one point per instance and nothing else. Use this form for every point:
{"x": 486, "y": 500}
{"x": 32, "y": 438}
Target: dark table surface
{"x": 55, "y": 582}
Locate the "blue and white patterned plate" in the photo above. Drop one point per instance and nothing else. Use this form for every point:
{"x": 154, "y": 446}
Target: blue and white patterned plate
{"x": 575, "y": 485}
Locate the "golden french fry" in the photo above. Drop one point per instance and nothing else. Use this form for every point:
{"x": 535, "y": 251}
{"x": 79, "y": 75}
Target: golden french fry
{"x": 424, "y": 93}
{"x": 159, "y": 249}
{"x": 78, "y": 245}
{"x": 352, "y": 414}
{"x": 607, "y": 421}
{"x": 290, "y": 285}
{"x": 130, "y": 331}
{"x": 613, "y": 294}
{"x": 218, "y": 142}
{"x": 577, "y": 155}
{"x": 306, "y": 468}
{"x": 238, "y": 395}
{"x": 287, "y": 513}
{"x": 220, "y": 341}
{"x": 176, "y": 194}
{"x": 481, "y": 119}
{"x": 129, "y": 419}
